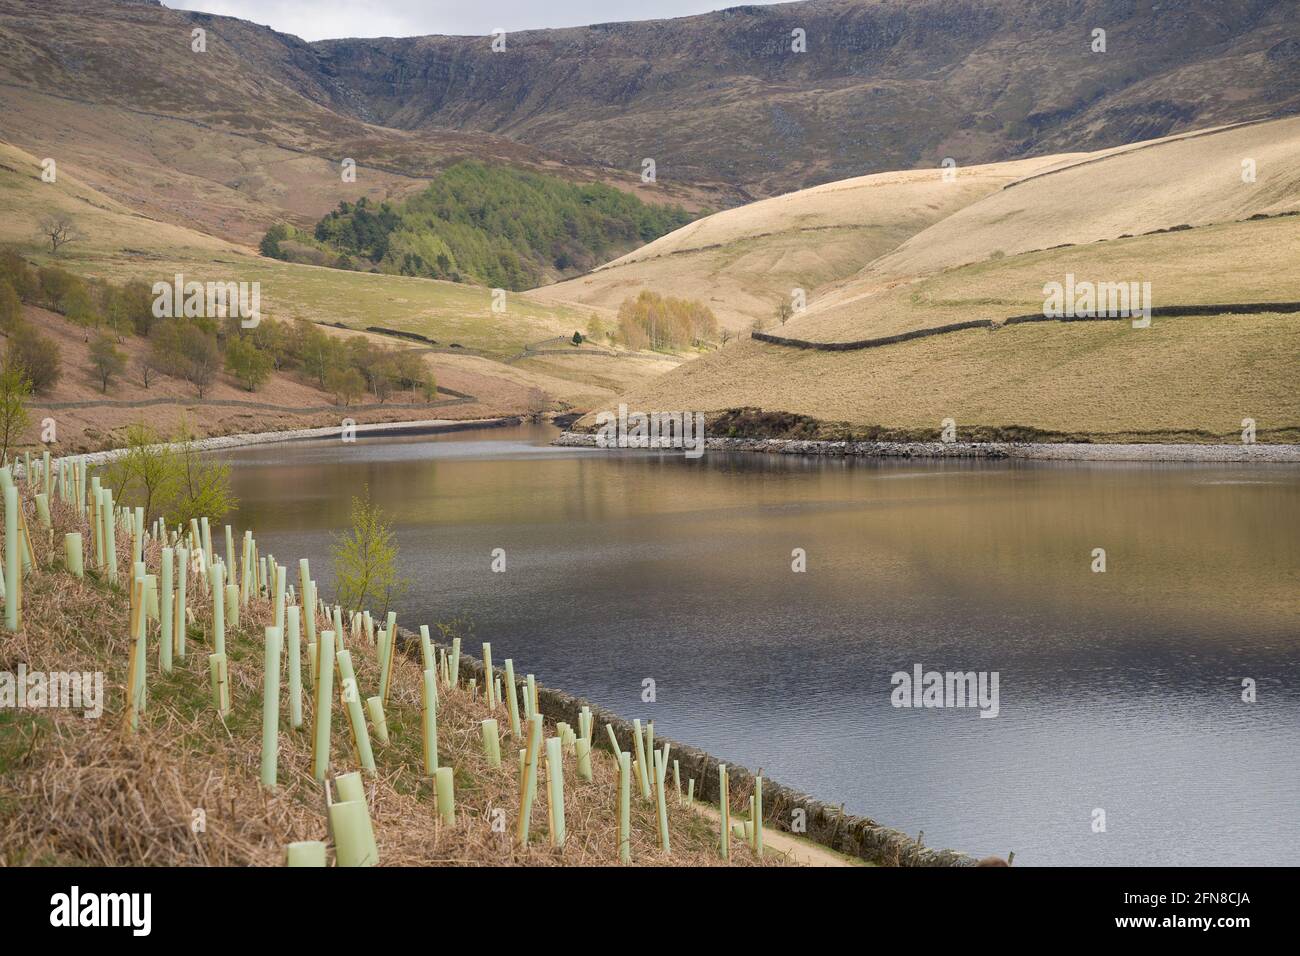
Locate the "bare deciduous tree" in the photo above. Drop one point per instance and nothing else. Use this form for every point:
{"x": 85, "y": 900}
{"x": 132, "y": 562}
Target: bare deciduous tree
{"x": 59, "y": 229}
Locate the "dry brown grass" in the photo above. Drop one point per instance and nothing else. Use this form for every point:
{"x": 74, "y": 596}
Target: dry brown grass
{"x": 90, "y": 792}
{"x": 1183, "y": 379}
{"x": 743, "y": 262}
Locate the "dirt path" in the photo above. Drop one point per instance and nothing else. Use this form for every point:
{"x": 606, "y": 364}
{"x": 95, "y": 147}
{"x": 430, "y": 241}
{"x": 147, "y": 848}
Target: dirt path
{"x": 794, "y": 849}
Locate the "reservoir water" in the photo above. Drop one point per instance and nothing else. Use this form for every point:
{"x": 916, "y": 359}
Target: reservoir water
{"x": 1119, "y": 691}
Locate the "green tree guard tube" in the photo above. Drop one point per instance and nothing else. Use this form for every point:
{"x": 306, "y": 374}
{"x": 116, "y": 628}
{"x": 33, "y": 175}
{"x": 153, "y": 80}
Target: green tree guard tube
{"x": 295, "y": 666}
{"x": 352, "y": 706}
{"x": 555, "y": 788}
{"x": 72, "y": 554}
{"x": 96, "y": 521}
{"x": 429, "y": 699}
{"x": 677, "y": 781}
{"x": 349, "y": 786}
{"x": 137, "y": 535}
{"x": 310, "y": 611}
{"x": 661, "y": 801}
{"x": 279, "y": 597}
{"x": 528, "y": 791}
{"x": 512, "y": 704}
{"x": 376, "y": 707}
{"x": 180, "y": 626}
{"x": 311, "y": 665}
{"x": 487, "y": 676}
{"x": 218, "y": 610}
{"x": 141, "y": 638}
{"x": 320, "y": 750}
{"x": 135, "y": 659}
{"x": 246, "y": 569}
{"x": 232, "y": 605}
{"x": 444, "y": 779}
{"x": 584, "y": 759}
{"x": 206, "y": 531}
{"x": 613, "y": 740}
{"x": 690, "y": 792}
{"x": 43, "y": 510}
{"x": 110, "y": 536}
{"x": 427, "y": 658}
{"x": 232, "y": 566}
{"x": 642, "y": 773}
{"x": 532, "y": 695}
{"x": 220, "y": 683}
{"x": 306, "y": 853}
{"x": 165, "y": 612}
{"x": 389, "y": 653}
{"x": 13, "y": 562}
{"x": 354, "y": 837}
{"x": 383, "y": 654}
{"x": 271, "y": 708}
{"x": 455, "y": 662}
{"x": 624, "y": 806}
{"x": 758, "y": 815}
{"x": 491, "y": 743}
{"x": 724, "y": 811}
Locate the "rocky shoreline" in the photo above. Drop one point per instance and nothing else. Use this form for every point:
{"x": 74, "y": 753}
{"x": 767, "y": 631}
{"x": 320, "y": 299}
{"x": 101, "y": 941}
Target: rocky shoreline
{"x": 1045, "y": 451}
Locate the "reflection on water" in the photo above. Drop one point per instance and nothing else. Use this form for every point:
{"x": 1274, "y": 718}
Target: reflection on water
{"x": 1119, "y": 690}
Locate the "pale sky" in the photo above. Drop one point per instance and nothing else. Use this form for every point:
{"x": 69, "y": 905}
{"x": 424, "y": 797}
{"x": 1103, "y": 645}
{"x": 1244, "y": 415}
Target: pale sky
{"x": 322, "y": 19}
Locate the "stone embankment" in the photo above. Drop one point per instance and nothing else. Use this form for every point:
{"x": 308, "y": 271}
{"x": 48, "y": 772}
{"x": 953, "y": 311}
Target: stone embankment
{"x": 783, "y": 808}
{"x": 1047, "y": 451}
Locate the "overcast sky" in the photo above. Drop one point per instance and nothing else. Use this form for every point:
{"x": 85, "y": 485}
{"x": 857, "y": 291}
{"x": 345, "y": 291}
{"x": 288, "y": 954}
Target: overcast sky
{"x": 321, "y": 19}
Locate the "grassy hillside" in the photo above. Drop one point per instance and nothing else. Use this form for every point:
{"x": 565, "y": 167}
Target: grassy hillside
{"x": 977, "y": 258}
{"x": 91, "y": 792}
{"x": 744, "y": 262}
{"x": 232, "y": 138}
{"x": 1224, "y": 263}
{"x": 1182, "y": 379}
{"x": 1109, "y": 218}
{"x": 1193, "y": 179}
{"x": 121, "y": 244}
{"x": 472, "y": 342}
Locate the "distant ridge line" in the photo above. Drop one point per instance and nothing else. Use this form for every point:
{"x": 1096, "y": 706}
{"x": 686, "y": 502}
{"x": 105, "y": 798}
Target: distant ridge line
{"x": 1239, "y": 308}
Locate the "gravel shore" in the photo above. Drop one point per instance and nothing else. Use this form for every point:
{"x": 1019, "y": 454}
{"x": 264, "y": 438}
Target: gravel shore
{"x": 1289, "y": 454}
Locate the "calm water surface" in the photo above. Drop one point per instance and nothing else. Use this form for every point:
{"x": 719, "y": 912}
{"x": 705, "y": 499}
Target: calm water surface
{"x": 1119, "y": 690}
